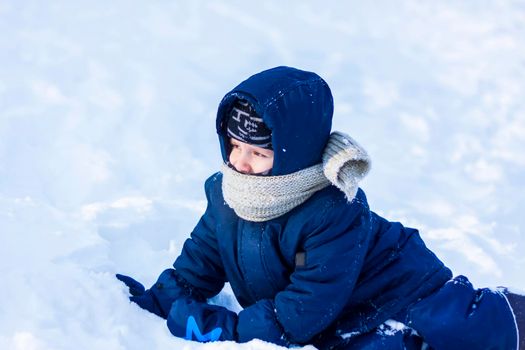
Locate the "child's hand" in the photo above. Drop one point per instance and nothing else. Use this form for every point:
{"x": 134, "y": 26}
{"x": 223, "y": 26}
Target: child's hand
{"x": 144, "y": 298}
{"x": 135, "y": 287}
{"x": 193, "y": 320}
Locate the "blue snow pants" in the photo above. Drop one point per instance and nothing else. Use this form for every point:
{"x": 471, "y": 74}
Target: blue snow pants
{"x": 457, "y": 316}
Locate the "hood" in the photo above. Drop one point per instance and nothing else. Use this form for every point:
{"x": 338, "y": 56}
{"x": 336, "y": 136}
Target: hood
{"x": 297, "y": 106}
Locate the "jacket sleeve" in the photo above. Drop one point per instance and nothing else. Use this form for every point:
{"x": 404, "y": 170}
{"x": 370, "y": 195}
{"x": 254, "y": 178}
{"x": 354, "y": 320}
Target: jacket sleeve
{"x": 199, "y": 263}
{"x": 200, "y": 268}
{"x": 198, "y": 272}
{"x": 335, "y": 248}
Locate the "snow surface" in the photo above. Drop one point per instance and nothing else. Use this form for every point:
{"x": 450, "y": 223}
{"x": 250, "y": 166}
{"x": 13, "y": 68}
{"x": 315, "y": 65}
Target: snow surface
{"x": 107, "y": 135}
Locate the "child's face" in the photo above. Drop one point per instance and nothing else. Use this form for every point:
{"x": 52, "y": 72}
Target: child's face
{"x": 249, "y": 159}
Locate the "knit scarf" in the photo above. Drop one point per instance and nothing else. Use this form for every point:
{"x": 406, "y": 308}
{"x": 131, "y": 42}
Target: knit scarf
{"x": 262, "y": 198}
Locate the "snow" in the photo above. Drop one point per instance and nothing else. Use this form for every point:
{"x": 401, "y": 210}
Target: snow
{"x": 107, "y": 135}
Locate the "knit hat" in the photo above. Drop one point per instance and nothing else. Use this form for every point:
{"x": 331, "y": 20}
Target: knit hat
{"x": 246, "y": 126}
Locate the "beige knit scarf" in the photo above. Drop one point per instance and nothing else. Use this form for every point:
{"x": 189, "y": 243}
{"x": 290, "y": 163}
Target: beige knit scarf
{"x": 262, "y": 198}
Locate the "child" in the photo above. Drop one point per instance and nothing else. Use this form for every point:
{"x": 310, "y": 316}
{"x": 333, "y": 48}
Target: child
{"x": 288, "y": 227}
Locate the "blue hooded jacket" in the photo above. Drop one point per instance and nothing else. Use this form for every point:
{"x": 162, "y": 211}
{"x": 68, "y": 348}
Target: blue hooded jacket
{"x": 327, "y": 268}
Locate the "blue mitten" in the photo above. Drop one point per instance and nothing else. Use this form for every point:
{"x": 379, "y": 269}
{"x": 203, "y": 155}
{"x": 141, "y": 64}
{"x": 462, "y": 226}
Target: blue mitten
{"x": 158, "y": 299}
{"x": 193, "y": 320}
{"x": 144, "y": 298}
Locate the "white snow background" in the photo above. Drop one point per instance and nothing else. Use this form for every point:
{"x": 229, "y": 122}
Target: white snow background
{"x": 107, "y": 134}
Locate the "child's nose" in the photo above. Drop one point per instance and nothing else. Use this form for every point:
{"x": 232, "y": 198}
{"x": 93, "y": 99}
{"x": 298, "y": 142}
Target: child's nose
{"x": 242, "y": 165}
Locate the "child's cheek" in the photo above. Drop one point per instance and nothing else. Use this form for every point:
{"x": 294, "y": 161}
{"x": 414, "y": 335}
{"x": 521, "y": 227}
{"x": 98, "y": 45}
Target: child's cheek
{"x": 232, "y": 156}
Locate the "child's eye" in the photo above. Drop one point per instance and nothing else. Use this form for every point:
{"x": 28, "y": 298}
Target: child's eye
{"x": 260, "y": 155}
